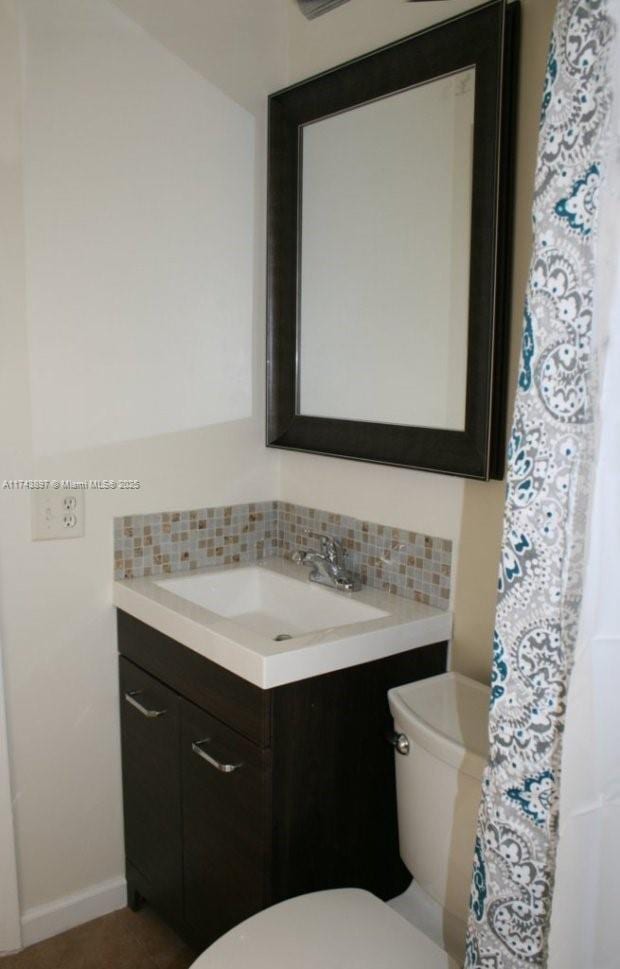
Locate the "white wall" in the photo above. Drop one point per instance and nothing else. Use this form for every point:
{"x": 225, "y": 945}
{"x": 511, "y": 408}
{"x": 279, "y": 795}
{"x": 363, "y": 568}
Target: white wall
{"x": 138, "y": 189}
{"x": 11, "y": 305}
{"x": 239, "y": 45}
{"x": 57, "y": 627}
{"x": 10, "y": 928}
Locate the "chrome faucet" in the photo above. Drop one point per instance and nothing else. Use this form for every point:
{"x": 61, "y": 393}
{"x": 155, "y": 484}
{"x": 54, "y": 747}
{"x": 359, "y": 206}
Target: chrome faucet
{"x": 329, "y": 565}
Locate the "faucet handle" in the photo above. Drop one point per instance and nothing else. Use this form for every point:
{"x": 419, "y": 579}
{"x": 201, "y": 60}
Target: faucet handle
{"x": 333, "y": 550}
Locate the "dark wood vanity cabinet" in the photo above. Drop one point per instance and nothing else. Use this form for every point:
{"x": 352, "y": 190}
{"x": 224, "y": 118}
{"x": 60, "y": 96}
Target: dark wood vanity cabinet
{"x": 236, "y": 798}
{"x": 152, "y": 785}
{"x": 226, "y": 824}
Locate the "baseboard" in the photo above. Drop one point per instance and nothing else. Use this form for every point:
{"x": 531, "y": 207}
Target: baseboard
{"x": 44, "y": 921}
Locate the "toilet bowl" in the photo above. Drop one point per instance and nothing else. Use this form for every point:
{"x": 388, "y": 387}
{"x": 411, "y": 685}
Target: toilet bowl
{"x": 439, "y": 764}
{"x": 337, "y": 929}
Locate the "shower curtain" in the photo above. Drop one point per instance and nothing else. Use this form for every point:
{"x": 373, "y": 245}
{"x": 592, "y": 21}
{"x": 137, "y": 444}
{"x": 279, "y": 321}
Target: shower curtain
{"x": 549, "y": 484}
{"x": 586, "y": 897}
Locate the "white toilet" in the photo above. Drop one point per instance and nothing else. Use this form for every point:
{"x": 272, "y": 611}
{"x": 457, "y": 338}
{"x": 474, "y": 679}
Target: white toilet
{"x": 439, "y": 765}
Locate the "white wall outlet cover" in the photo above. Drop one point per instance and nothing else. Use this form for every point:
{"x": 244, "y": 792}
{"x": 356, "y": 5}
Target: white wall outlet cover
{"x": 57, "y": 514}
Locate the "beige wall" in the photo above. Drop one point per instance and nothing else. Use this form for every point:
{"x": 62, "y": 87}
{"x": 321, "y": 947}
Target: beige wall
{"x": 469, "y": 513}
{"x": 483, "y": 503}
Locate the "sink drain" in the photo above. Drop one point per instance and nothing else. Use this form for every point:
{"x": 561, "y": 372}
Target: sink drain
{"x": 281, "y": 637}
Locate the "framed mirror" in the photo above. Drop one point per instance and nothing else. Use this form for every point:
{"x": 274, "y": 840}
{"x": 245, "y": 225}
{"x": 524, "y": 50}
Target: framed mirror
{"x": 389, "y": 231}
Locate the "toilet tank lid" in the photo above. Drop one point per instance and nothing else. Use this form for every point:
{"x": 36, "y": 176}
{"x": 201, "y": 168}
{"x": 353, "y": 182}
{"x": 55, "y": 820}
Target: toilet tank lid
{"x": 447, "y": 715}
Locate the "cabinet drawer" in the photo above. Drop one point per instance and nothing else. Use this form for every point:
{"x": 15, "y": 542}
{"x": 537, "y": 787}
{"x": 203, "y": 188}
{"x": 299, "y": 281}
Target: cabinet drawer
{"x": 227, "y": 696}
{"x": 150, "y": 730}
{"x": 226, "y": 829}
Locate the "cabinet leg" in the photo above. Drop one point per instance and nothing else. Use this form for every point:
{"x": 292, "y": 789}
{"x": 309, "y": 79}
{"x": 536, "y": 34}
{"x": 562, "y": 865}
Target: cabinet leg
{"x": 134, "y": 898}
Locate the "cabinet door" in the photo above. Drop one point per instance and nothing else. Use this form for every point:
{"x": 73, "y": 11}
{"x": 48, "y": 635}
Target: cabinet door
{"x": 150, "y": 732}
{"x": 226, "y": 783}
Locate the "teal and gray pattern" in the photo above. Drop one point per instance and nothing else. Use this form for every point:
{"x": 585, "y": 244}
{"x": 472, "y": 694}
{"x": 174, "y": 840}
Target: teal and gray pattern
{"x": 549, "y": 459}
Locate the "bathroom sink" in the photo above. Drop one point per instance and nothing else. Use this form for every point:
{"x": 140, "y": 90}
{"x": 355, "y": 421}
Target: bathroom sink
{"x": 274, "y": 605}
{"x": 267, "y": 623}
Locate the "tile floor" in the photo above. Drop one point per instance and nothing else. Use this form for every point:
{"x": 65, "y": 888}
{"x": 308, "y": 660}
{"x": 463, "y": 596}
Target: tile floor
{"x": 122, "y": 940}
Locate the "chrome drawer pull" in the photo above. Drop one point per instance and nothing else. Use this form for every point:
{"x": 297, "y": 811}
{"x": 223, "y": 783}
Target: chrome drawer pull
{"x": 224, "y": 768}
{"x": 151, "y": 714}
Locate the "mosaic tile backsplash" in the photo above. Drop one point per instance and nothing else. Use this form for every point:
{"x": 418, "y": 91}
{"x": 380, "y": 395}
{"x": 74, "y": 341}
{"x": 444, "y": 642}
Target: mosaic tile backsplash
{"x": 392, "y": 559}
{"x": 176, "y": 541}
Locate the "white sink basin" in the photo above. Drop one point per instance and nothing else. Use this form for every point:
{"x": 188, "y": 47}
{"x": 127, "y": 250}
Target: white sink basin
{"x": 274, "y": 605}
{"x": 235, "y": 614}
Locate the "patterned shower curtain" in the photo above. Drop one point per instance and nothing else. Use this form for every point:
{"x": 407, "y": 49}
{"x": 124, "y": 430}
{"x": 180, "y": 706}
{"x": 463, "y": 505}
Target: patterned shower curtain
{"x": 548, "y": 484}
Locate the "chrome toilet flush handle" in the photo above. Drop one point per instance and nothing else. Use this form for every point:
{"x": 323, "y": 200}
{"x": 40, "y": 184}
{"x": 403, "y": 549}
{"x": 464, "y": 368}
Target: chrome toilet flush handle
{"x": 400, "y": 742}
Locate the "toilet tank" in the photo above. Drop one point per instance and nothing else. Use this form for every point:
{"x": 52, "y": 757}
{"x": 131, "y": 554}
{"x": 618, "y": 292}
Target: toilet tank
{"x": 438, "y": 783}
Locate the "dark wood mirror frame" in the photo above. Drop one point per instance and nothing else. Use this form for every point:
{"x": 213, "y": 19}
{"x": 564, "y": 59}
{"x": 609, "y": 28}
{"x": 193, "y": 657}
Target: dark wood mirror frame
{"x": 486, "y": 38}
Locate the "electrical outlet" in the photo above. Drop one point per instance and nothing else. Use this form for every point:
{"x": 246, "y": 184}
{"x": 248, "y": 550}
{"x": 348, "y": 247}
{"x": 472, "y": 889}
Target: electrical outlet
{"x": 57, "y": 514}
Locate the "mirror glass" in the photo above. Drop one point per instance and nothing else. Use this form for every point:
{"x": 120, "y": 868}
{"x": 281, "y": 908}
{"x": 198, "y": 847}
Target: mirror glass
{"x": 384, "y": 257}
